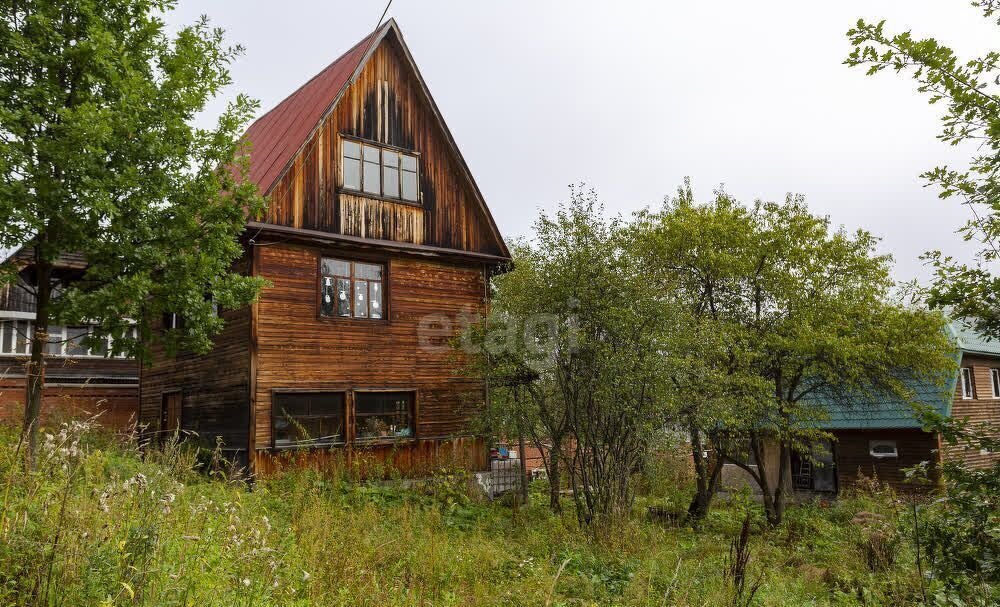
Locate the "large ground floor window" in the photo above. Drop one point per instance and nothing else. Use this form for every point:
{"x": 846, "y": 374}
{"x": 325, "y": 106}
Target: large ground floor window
{"x": 323, "y": 419}
{"x": 381, "y": 415}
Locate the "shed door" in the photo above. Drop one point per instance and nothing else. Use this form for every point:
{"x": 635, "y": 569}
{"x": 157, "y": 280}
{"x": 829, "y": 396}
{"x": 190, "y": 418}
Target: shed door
{"x": 170, "y": 413}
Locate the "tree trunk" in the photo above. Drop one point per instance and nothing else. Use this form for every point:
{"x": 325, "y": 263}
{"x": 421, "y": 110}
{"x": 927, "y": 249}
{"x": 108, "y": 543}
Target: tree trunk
{"x": 704, "y": 485}
{"x": 524, "y": 466}
{"x": 555, "y": 476}
{"x": 775, "y": 497}
{"x": 35, "y": 369}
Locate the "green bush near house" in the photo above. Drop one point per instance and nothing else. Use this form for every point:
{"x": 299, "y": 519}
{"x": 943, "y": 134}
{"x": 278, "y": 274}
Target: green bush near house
{"x": 102, "y": 524}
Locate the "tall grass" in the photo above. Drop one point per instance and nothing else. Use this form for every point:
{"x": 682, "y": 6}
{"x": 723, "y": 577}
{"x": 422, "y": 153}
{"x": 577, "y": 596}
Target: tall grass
{"x": 103, "y": 524}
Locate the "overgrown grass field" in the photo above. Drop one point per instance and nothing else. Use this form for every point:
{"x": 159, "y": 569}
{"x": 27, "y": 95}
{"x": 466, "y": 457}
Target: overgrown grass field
{"x": 103, "y": 524}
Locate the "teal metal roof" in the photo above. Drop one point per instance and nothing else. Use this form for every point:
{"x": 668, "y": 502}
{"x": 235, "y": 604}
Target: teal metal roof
{"x": 972, "y": 342}
{"x": 880, "y": 409}
{"x": 869, "y": 410}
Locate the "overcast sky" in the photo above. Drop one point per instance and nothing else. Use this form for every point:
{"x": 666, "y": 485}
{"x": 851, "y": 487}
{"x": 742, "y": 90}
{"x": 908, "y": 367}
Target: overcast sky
{"x": 631, "y": 97}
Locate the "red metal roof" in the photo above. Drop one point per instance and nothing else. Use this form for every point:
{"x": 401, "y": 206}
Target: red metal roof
{"x": 276, "y": 136}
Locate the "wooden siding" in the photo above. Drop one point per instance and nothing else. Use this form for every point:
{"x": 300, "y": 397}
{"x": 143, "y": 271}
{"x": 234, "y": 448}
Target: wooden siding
{"x": 215, "y": 387}
{"x": 386, "y": 105}
{"x": 982, "y": 408}
{"x": 296, "y": 348}
{"x": 854, "y": 458}
{"x": 381, "y": 219}
{"x": 411, "y": 458}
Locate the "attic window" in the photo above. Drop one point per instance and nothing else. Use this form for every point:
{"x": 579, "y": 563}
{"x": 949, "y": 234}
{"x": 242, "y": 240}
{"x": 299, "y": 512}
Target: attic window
{"x": 995, "y": 381}
{"x": 883, "y": 449}
{"x": 380, "y": 171}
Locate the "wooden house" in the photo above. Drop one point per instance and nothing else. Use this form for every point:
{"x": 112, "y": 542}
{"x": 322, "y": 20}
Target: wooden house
{"x": 378, "y": 247}
{"x": 81, "y": 379}
{"x": 881, "y": 437}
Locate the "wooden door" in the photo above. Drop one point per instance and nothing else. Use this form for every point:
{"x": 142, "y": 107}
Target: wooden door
{"x": 170, "y": 413}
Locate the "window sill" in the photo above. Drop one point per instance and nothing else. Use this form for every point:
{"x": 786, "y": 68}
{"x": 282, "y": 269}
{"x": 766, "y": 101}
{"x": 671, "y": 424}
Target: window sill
{"x": 380, "y": 441}
{"x": 308, "y": 447}
{"x": 360, "y": 442}
{"x": 350, "y": 320}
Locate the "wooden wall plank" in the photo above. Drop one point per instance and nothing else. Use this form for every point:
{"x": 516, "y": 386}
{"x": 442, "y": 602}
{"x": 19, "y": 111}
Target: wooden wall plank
{"x": 427, "y": 300}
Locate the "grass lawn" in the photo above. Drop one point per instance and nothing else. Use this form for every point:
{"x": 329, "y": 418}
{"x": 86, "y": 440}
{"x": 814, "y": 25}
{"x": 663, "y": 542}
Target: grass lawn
{"x": 102, "y": 525}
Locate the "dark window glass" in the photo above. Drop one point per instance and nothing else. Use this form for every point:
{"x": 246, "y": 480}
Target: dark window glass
{"x": 351, "y": 289}
{"x": 54, "y": 345}
{"x": 76, "y": 341}
{"x": 308, "y": 419}
{"x": 8, "y": 336}
{"x": 99, "y": 346}
{"x": 343, "y": 297}
{"x": 966, "y": 382}
{"x": 383, "y": 415}
{"x": 995, "y": 378}
{"x": 882, "y": 448}
{"x": 361, "y": 299}
{"x": 329, "y": 296}
{"x": 172, "y": 320}
{"x": 24, "y": 331}
{"x": 336, "y": 267}
{"x": 375, "y": 300}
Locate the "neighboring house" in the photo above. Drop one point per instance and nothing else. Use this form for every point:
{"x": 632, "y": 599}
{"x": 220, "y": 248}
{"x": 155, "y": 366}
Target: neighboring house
{"x": 80, "y": 380}
{"x": 378, "y": 246}
{"x": 881, "y": 438}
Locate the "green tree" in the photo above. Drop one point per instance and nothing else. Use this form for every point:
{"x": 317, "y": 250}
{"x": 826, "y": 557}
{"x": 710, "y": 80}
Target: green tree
{"x": 700, "y": 255}
{"x": 99, "y": 154}
{"x": 804, "y": 310}
{"x": 969, "y": 91}
{"x": 583, "y": 333}
{"x": 962, "y": 527}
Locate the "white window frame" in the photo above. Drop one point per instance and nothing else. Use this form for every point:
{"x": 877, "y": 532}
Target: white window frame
{"x": 382, "y": 151}
{"x": 968, "y": 389}
{"x": 872, "y": 444}
{"x": 995, "y": 382}
{"x": 4, "y": 327}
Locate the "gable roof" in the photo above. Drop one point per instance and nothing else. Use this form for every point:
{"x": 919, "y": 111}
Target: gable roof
{"x": 873, "y": 411}
{"x": 883, "y": 410}
{"x": 971, "y": 341}
{"x": 278, "y": 136}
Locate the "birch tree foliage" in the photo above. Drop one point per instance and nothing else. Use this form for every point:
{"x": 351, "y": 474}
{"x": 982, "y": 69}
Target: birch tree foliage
{"x": 100, "y": 155}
